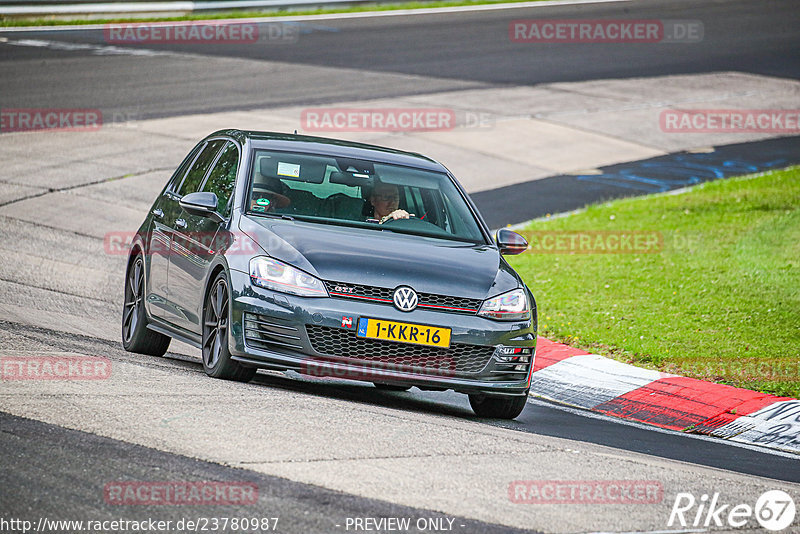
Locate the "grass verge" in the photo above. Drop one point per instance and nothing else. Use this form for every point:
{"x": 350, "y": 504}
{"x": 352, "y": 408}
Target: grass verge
{"x": 716, "y": 298}
{"x": 6, "y": 22}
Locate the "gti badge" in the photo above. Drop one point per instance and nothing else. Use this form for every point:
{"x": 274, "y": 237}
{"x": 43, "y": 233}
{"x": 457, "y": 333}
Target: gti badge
{"x": 344, "y": 289}
{"x": 405, "y": 298}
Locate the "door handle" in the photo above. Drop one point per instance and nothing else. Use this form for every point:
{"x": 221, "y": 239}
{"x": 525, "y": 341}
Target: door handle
{"x": 180, "y": 223}
{"x": 158, "y": 212}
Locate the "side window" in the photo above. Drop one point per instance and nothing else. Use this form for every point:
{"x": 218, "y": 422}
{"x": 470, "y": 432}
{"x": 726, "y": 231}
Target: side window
{"x": 222, "y": 179}
{"x": 195, "y": 176}
{"x": 177, "y": 177}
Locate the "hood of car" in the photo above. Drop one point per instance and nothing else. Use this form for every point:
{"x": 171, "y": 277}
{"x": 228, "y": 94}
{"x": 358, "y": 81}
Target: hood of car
{"x": 383, "y": 258}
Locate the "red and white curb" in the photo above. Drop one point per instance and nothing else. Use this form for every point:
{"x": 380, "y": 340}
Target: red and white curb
{"x": 571, "y": 376}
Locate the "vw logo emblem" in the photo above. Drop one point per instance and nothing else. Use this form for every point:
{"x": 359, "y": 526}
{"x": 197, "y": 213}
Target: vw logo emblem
{"x": 405, "y": 298}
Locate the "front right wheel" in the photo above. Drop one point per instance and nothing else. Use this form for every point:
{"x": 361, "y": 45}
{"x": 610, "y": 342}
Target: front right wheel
{"x": 217, "y": 361}
{"x": 497, "y": 407}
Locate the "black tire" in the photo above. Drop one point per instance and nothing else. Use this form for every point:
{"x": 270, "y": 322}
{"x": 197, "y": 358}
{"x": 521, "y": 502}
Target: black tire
{"x": 136, "y": 337}
{"x": 497, "y": 407}
{"x": 217, "y": 362}
{"x": 391, "y": 387}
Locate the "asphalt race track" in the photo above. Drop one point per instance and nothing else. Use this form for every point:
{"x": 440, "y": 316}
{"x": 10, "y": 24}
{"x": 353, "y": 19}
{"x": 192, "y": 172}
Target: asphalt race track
{"x": 362, "y": 58}
{"x": 514, "y": 204}
{"x": 300, "y": 507}
{"x": 322, "y": 452}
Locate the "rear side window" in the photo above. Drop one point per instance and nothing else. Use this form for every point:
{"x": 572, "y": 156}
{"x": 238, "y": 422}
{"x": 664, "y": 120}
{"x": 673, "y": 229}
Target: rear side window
{"x": 195, "y": 176}
{"x": 222, "y": 179}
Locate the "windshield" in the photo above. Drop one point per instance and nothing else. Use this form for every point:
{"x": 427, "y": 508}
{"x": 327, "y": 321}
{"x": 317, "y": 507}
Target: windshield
{"x": 349, "y": 192}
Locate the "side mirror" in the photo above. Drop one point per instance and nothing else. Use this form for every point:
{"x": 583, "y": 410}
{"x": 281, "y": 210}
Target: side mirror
{"x": 510, "y": 242}
{"x": 203, "y": 204}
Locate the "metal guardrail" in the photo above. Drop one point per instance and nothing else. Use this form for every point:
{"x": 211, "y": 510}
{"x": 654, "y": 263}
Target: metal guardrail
{"x": 92, "y": 7}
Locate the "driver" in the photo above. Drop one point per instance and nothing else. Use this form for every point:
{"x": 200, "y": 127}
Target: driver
{"x": 385, "y": 199}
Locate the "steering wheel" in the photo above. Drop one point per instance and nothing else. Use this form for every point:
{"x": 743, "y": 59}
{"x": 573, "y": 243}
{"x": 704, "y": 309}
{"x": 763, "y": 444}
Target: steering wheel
{"x": 414, "y": 222}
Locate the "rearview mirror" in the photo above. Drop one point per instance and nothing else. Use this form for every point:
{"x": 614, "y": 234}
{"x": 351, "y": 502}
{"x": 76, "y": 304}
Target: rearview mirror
{"x": 510, "y": 243}
{"x": 203, "y": 204}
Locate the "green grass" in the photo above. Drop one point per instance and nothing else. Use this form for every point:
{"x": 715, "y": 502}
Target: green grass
{"x": 720, "y": 301}
{"x": 6, "y": 21}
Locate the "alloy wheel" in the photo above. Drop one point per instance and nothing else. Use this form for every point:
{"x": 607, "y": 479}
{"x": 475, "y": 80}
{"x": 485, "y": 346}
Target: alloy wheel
{"x": 134, "y": 295}
{"x": 215, "y": 324}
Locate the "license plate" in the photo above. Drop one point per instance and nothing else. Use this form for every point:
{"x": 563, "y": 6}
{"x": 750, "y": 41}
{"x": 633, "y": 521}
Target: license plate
{"x": 416, "y": 334}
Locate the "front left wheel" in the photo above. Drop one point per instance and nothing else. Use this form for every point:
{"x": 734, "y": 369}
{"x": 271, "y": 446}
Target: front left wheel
{"x": 217, "y": 361}
{"x": 497, "y": 407}
{"x": 136, "y": 337}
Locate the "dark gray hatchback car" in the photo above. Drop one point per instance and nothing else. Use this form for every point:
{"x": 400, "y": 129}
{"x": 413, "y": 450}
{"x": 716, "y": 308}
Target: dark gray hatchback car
{"x": 331, "y": 259}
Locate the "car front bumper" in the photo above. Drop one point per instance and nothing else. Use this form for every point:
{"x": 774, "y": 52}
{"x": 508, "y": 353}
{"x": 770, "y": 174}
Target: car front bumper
{"x": 317, "y": 337}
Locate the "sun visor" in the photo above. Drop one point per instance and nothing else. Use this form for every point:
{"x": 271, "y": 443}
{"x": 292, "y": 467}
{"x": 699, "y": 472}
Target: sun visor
{"x": 391, "y": 174}
{"x": 293, "y": 167}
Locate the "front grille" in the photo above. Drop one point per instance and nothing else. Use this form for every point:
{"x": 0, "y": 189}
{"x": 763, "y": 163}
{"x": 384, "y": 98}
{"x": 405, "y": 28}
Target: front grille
{"x": 357, "y": 291}
{"x": 343, "y": 345}
{"x": 265, "y": 333}
{"x": 384, "y": 295}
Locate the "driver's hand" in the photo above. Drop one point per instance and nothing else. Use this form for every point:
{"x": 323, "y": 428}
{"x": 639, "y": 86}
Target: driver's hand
{"x": 397, "y": 214}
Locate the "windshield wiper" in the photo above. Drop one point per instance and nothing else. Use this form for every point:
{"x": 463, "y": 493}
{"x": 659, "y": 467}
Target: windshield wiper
{"x": 274, "y": 215}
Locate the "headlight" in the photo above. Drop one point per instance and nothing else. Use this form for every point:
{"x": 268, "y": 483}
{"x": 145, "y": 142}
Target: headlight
{"x": 511, "y": 306}
{"x": 273, "y": 274}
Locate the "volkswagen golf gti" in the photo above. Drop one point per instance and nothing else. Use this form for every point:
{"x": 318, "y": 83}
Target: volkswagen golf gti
{"x": 331, "y": 259}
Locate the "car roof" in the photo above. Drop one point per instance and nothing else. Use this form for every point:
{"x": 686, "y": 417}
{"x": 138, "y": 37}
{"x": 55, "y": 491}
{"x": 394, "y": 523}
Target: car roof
{"x": 331, "y": 147}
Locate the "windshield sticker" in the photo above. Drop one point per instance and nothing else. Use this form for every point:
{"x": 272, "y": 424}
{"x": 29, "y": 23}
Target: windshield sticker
{"x": 288, "y": 169}
{"x": 263, "y": 202}
{"x": 259, "y": 208}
